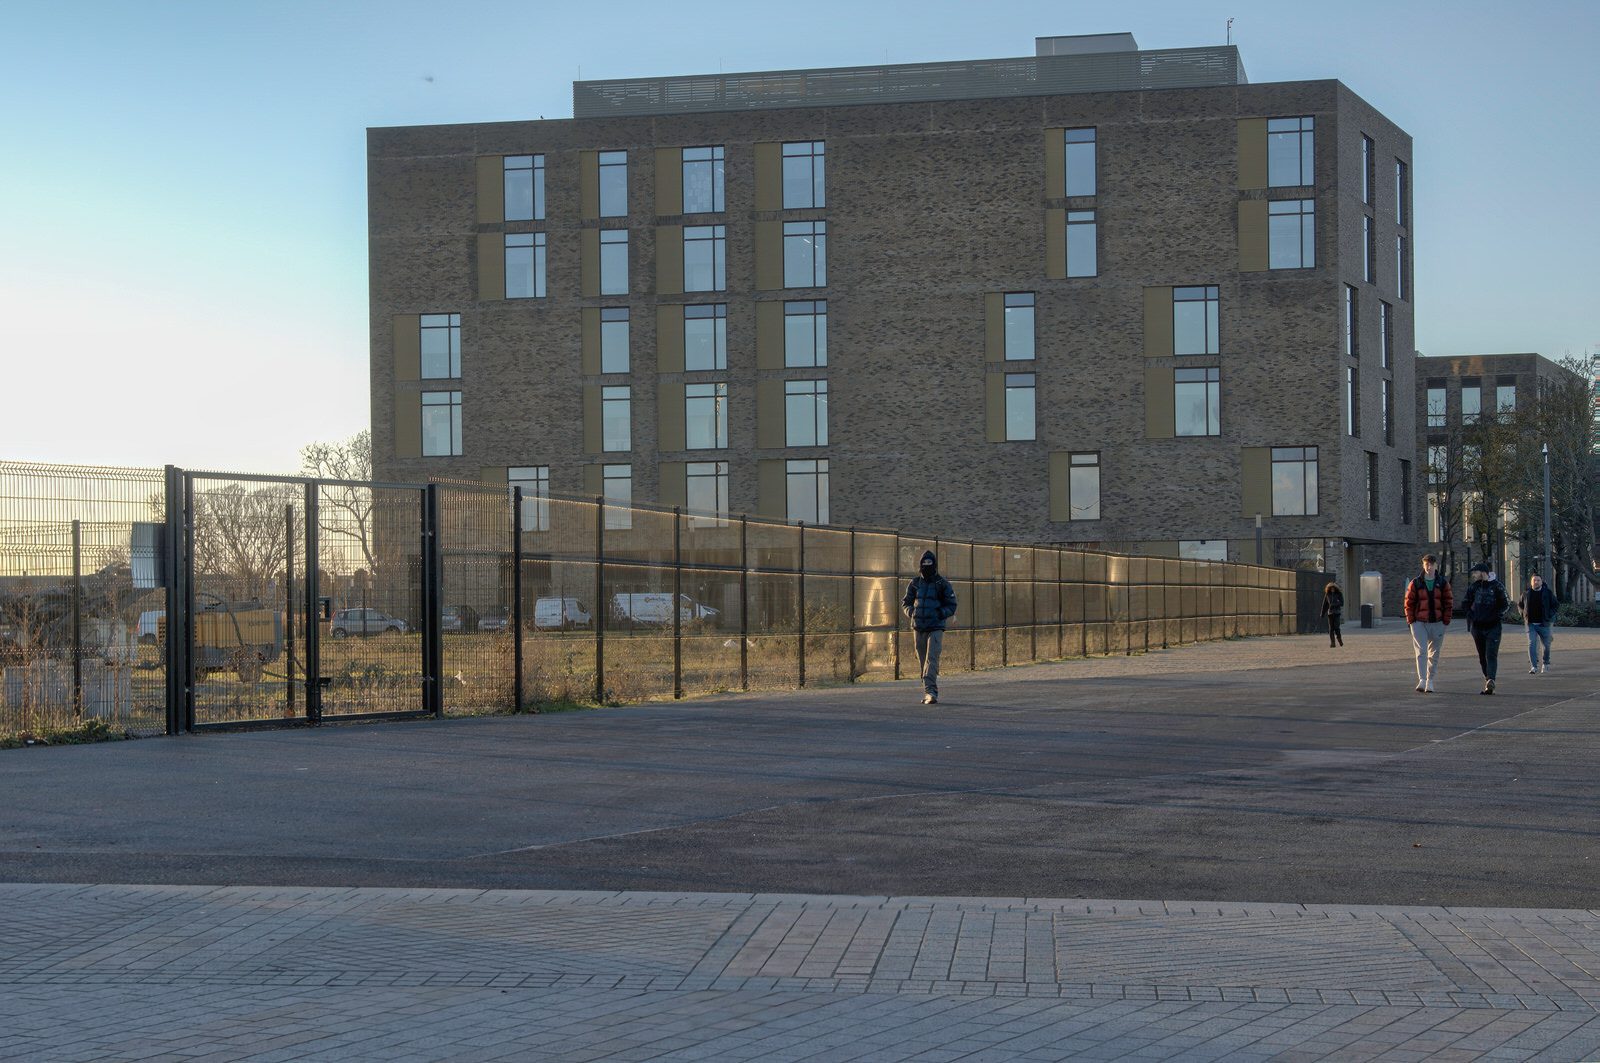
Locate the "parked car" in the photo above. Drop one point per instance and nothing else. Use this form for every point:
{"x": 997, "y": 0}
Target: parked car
{"x": 347, "y": 622}
{"x": 494, "y": 620}
{"x": 148, "y": 630}
{"x": 458, "y": 618}
{"x": 656, "y": 608}
{"x": 563, "y": 614}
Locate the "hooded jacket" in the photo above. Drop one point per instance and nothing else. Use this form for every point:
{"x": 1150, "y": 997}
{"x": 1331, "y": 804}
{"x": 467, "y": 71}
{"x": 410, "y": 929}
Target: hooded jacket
{"x": 930, "y": 600}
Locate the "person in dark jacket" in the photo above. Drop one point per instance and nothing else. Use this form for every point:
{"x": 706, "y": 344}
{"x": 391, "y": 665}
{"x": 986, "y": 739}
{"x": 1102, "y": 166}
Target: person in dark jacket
{"x": 1538, "y": 608}
{"x": 1485, "y": 604}
{"x": 1333, "y": 609}
{"x": 929, "y": 602}
{"x": 1429, "y": 606}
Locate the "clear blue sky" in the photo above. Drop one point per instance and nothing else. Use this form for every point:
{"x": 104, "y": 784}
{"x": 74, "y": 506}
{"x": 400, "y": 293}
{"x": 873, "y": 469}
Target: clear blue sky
{"x": 183, "y": 200}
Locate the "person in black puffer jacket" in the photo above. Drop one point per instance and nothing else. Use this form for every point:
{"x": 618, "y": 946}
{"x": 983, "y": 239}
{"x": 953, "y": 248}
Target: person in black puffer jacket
{"x": 929, "y": 602}
{"x": 1333, "y": 609}
{"x": 1485, "y": 606}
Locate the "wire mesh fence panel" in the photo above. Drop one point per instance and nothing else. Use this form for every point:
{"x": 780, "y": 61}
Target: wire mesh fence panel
{"x": 477, "y": 638}
{"x": 828, "y": 620}
{"x": 877, "y": 604}
{"x": 640, "y": 607}
{"x": 562, "y": 606}
{"x": 711, "y": 654}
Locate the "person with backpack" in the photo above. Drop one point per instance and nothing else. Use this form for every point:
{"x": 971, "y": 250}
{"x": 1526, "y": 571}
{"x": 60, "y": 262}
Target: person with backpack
{"x": 1429, "y": 606}
{"x": 929, "y": 601}
{"x": 1485, "y": 605}
{"x": 1333, "y": 609}
{"x": 1538, "y": 608}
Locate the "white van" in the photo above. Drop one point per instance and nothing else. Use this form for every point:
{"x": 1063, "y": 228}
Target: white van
{"x": 560, "y": 614}
{"x": 656, "y": 608}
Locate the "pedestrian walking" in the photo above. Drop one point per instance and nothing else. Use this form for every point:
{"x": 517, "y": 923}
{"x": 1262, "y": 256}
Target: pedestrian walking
{"x": 1429, "y": 606}
{"x": 1485, "y": 606}
{"x": 1333, "y": 609}
{"x": 1538, "y": 608}
{"x": 929, "y": 602}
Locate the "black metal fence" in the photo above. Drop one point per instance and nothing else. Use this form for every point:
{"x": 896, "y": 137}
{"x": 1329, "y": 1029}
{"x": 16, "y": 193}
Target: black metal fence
{"x": 296, "y": 600}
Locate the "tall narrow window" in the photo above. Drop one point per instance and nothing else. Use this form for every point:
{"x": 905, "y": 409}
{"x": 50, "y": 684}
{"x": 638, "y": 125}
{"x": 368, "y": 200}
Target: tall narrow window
{"x": 1436, "y": 404}
{"x": 1197, "y": 402}
{"x": 535, "y": 483}
{"x": 1505, "y": 397}
{"x": 702, "y": 180}
{"x": 617, "y": 488}
{"x": 1352, "y": 401}
{"x": 1082, "y": 244}
{"x": 1289, "y": 152}
{"x": 1387, "y": 387}
{"x": 805, "y": 413}
{"x": 705, "y": 258}
{"x": 440, "y": 339}
{"x": 1194, "y": 320}
{"x": 1352, "y": 327}
{"x": 524, "y": 187}
{"x": 1405, "y": 491}
{"x": 805, "y": 254}
{"x": 1401, "y": 278}
{"x": 1020, "y": 406}
{"x": 705, "y": 416}
{"x": 1369, "y": 250}
{"x": 1399, "y": 193}
{"x": 1294, "y": 481}
{"x": 1368, "y": 173}
{"x": 616, "y": 418}
{"x": 1083, "y": 487}
{"x": 1080, "y": 162}
{"x": 808, "y": 491}
{"x": 524, "y": 265}
{"x": 805, "y": 334}
{"x": 707, "y": 496}
{"x": 441, "y": 424}
{"x": 613, "y": 262}
{"x": 705, "y": 337}
{"x": 803, "y": 175}
{"x": 1018, "y": 310}
{"x": 1386, "y": 330}
{"x": 1373, "y": 509}
{"x": 1471, "y": 400}
{"x": 614, "y": 356}
{"x": 613, "y": 184}
{"x": 1291, "y": 234}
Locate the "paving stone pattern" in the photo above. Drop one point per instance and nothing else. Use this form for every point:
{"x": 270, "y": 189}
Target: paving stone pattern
{"x": 236, "y": 973}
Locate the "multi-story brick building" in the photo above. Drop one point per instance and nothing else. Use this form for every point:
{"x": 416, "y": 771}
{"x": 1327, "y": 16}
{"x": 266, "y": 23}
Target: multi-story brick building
{"x": 1097, "y": 295}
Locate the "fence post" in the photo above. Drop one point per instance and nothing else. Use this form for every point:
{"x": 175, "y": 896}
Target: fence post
{"x": 895, "y": 568}
{"x": 972, "y": 586}
{"x": 172, "y": 562}
{"x": 1033, "y": 602}
{"x": 744, "y": 602}
{"x": 802, "y": 588}
{"x": 1083, "y": 604}
{"x": 186, "y": 610}
{"x": 77, "y": 619}
{"x": 601, "y": 609}
{"x": 433, "y": 593}
{"x": 288, "y": 611}
{"x": 852, "y": 603}
{"x": 313, "y": 668}
{"x": 677, "y": 602}
{"x": 1005, "y": 611}
{"x": 1061, "y": 611}
{"x": 516, "y": 597}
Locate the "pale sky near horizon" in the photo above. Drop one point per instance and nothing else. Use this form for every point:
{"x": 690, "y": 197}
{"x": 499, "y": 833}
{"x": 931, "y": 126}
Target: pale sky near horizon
{"x": 183, "y": 261}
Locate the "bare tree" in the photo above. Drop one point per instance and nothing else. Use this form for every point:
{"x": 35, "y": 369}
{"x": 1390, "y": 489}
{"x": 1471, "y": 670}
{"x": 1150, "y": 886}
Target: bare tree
{"x": 240, "y": 538}
{"x": 351, "y": 507}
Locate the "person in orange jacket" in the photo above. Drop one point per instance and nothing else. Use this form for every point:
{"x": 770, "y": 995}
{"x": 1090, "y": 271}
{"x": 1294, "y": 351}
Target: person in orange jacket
{"x": 1429, "y": 606}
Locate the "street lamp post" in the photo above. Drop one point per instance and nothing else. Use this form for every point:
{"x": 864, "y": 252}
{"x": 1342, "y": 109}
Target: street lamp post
{"x": 1549, "y": 561}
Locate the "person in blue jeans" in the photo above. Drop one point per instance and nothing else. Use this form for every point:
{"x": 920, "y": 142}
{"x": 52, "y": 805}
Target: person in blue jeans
{"x": 1538, "y": 606}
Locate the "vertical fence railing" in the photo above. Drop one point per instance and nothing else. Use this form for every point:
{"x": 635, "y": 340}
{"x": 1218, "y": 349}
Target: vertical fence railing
{"x": 313, "y": 612}
{"x": 518, "y": 632}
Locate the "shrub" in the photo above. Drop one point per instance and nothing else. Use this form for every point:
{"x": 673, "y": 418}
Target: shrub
{"x": 1578, "y": 614}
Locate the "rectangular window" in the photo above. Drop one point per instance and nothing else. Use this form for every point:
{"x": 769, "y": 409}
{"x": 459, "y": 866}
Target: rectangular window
{"x": 1373, "y": 510}
{"x": 1471, "y": 400}
{"x": 1020, "y": 406}
{"x": 1436, "y": 404}
{"x": 1387, "y": 387}
{"x": 1203, "y": 549}
{"x": 613, "y": 262}
{"x": 1352, "y": 327}
{"x": 1080, "y": 162}
{"x": 705, "y": 416}
{"x": 805, "y": 413}
{"x": 1018, "y": 311}
{"x": 705, "y": 337}
{"x": 440, "y": 339}
{"x": 1399, "y": 193}
{"x": 1386, "y": 330}
{"x": 1438, "y": 468}
{"x": 1400, "y": 273}
{"x": 535, "y": 483}
{"x": 808, "y": 491}
{"x": 1352, "y": 401}
{"x": 441, "y": 424}
{"x": 803, "y": 175}
{"x": 1368, "y": 173}
{"x": 1289, "y": 152}
{"x": 524, "y": 265}
{"x": 1197, "y": 402}
{"x": 524, "y": 187}
{"x": 702, "y": 180}
{"x": 614, "y": 339}
{"x": 1082, "y": 244}
{"x": 616, "y": 419}
{"x": 805, "y": 334}
{"x": 1405, "y": 491}
{"x": 1505, "y": 398}
{"x": 613, "y": 184}
{"x": 705, "y": 258}
{"x": 1194, "y": 321}
{"x": 617, "y": 488}
{"x": 1369, "y": 250}
{"x": 1291, "y": 234}
{"x": 1294, "y": 481}
{"x": 805, "y": 254}
{"x": 1083, "y": 487}
{"x": 707, "y": 496}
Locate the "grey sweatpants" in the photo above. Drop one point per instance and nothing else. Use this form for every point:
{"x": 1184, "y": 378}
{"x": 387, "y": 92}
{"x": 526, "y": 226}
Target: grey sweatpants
{"x": 929, "y": 644}
{"x": 1428, "y": 640}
